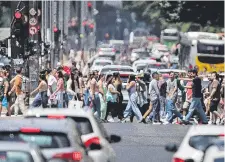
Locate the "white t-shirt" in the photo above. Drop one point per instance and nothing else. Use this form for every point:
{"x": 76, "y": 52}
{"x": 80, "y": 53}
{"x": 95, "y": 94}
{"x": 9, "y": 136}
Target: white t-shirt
{"x": 52, "y": 81}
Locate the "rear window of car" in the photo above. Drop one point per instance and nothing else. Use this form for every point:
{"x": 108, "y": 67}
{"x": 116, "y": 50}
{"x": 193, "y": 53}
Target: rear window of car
{"x": 15, "y": 156}
{"x": 102, "y": 63}
{"x": 84, "y": 125}
{"x": 43, "y": 140}
{"x": 157, "y": 66}
{"x": 117, "y": 69}
{"x": 124, "y": 79}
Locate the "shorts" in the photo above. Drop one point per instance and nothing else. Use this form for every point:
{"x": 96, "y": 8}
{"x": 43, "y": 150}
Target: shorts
{"x": 186, "y": 105}
{"x": 213, "y": 105}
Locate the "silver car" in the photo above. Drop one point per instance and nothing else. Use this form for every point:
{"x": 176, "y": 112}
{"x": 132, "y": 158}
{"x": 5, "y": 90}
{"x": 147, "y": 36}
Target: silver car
{"x": 92, "y": 131}
{"x": 20, "y": 151}
{"x": 58, "y": 139}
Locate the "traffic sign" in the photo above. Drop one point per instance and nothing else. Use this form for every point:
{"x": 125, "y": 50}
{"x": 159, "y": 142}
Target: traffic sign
{"x": 33, "y": 21}
{"x": 32, "y": 12}
{"x": 33, "y": 30}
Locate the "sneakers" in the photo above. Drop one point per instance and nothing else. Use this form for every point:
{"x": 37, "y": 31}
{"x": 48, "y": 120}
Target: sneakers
{"x": 166, "y": 122}
{"x": 111, "y": 120}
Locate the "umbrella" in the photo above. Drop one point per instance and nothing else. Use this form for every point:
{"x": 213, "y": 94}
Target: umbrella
{"x": 67, "y": 70}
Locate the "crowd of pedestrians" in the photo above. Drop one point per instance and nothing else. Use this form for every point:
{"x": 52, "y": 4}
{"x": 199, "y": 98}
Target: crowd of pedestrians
{"x": 173, "y": 100}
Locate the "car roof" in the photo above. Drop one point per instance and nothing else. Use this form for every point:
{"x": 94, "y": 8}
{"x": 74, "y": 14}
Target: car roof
{"x": 117, "y": 66}
{"x": 174, "y": 70}
{"x": 55, "y": 111}
{"x": 45, "y": 125}
{"x": 16, "y": 146}
{"x": 206, "y": 130}
{"x": 103, "y": 60}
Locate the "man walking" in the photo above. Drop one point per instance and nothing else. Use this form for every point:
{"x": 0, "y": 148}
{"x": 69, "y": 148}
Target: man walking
{"x": 172, "y": 94}
{"x": 154, "y": 98}
{"x": 196, "y": 103}
{"x": 17, "y": 87}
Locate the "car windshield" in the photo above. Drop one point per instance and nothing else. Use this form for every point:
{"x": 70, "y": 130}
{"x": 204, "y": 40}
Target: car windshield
{"x": 124, "y": 78}
{"x": 104, "y": 70}
{"x": 102, "y": 63}
{"x": 43, "y": 140}
{"x": 143, "y": 54}
{"x": 84, "y": 125}
{"x": 201, "y": 142}
{"x": 140, "y": 67}
{"x": 15, "y": 156}
{"x": 157, "y": 66}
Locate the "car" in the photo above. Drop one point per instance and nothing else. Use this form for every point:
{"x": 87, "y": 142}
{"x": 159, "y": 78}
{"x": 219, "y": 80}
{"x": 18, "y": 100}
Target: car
{"x": 176, "y": 71}
{"x": 99, "y": 63}
{"x": 20, "y": 151}
{"x": 56, "y": 138}
{"x": 107, "y": 50}
{"x": 92, "y": 131}
{"x": 146, "y": 62}
{"x": 116, "y": 68}
{"x": 139, "y": 54}
{"x": 158, "y": 51}
{"x": 197, "y": 137}
{"x": 155, "y": 67}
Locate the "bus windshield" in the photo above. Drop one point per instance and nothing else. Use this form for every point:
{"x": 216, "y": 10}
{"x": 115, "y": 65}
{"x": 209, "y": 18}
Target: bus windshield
{"x": 210, "y": 48}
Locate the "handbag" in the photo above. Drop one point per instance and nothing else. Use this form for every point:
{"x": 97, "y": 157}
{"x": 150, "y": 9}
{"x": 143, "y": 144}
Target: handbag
{"x": 74, "y": 104}
{"x": 4, "y": 102}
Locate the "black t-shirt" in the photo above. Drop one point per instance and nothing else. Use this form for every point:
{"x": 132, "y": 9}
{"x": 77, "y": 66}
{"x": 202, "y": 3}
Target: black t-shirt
{"x": 196, "y": 88}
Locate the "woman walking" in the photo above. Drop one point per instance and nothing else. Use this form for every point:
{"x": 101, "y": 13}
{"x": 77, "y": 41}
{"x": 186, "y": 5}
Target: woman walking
{"x": 42, "y": 90}
{"x": 132, "y": 102}
{"x": 102, "y": 96}
{"x": 111, "y": 98}
{"x": 72, "y": 87}
{"x": 59, "y": 93}
{"x": 118, "y": 86}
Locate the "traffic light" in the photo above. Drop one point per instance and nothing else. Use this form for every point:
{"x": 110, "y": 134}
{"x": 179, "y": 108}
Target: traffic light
{"x": 89, "y": 5}
{"x": 91, "y": 27}
{"x": 17, "y": 28}
{"x": 57, "y": 33}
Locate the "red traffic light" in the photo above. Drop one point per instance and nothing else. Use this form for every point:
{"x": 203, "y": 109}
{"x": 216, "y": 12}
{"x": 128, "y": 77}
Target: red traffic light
{"x": 55, "y": 29}
{"x": 91, "y": 26}
{"x": 89, "y": 4}
{"x": 18, "y": 15}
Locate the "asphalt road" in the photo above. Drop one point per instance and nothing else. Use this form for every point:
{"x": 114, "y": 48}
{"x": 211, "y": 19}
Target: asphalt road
{"x": 145, "y": 142}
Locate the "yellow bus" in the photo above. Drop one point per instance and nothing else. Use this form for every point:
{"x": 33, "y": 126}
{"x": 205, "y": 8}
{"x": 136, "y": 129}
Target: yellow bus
{"x": 204, "y": 50}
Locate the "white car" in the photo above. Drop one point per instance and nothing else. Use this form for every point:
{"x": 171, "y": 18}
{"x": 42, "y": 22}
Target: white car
{"x": 107, "y": 50}
{"x": 138, "y": 62}
{"x": 195, "y": 141}
{"x": 159, "y": 51}
{"x": 98, "y": 64}
{"x": 92, "y": 131}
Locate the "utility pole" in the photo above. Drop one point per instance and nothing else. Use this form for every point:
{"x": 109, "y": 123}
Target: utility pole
{"x": 55, "y": 53}
{"x": 61, "y": 16}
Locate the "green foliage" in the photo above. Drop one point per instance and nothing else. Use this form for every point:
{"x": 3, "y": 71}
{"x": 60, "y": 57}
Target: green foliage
{"x": 180, "y": 13}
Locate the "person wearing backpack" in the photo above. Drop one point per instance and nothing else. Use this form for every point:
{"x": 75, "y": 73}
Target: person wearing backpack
{"x": 17, "y": 87}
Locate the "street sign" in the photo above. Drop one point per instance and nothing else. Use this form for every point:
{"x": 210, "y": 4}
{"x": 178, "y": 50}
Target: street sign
{"x": 33, "y": 21}
{"x": 18, "y": 61}
{"x": 32, "y": 12}
{"x": 33, "y": 30}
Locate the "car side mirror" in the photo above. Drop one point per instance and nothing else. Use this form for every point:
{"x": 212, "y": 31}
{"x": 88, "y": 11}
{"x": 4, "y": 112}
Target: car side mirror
{"x": 95, "y": 146}
{"x": 171, "y": 147}
{"x": 114, "y": 139}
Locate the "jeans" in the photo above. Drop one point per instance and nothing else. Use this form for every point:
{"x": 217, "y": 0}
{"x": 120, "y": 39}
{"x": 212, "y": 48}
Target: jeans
{"x": 97, "y": 105}
{"x": 162, "y": 106}
{"x": 37, "y": 101}
{"x": 60, "y": 99}
{"x": 171, "y": 109}
{"x": 156, "y": 110}
{"x": 44, "y": 99}
{"x": 132, "y": 105}
{"x": 196, "y": 104}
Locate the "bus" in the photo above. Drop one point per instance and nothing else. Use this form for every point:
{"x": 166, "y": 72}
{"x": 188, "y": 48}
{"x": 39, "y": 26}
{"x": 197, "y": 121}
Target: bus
{"x": 201, "y": 49}
{"x": 169, "y": 37}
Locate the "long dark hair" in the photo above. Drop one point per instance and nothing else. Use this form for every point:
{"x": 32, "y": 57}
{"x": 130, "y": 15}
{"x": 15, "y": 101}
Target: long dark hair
{"x": 73, "y": 83}
{"x": 60, "y": 74}
{"x": 131, "y": 78}
{"x": 43, "y": 77}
